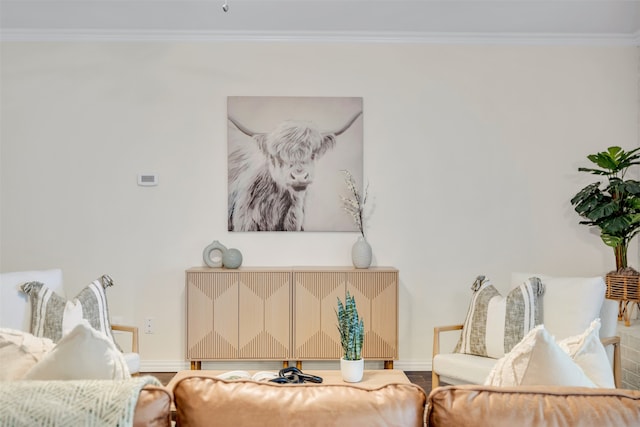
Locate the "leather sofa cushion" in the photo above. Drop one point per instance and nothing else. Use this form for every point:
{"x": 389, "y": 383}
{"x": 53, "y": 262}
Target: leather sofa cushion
{"x": 210, "y": 402}
{"x": 153, "y": 408}
{"x": 532, "y": 406}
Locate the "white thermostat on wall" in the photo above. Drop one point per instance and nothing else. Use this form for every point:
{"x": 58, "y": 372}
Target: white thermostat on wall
{"x": 148, "y": 179}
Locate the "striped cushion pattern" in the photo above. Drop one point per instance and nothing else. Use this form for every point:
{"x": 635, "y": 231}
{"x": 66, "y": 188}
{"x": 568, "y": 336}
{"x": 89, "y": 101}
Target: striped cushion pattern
{"x": 495, "y": 324}
{"x": 52, "y": 316}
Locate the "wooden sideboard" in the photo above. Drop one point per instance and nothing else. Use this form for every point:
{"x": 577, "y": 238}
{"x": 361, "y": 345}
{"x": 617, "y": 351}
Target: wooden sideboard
{"x": 287, "y": 313}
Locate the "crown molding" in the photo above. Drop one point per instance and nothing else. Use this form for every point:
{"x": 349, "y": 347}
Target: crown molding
{"x": 13, "y": 35}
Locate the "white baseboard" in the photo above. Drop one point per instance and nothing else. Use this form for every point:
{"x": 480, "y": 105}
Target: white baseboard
{"x": 181, "y": 365}
{"x": 412, "y": 365}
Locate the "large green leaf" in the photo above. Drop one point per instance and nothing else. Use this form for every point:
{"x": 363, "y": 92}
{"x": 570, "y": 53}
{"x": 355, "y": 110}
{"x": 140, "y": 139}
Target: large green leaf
{"x": 595, "y": 171}
{"x": 613, "y": 161}
{"x": 603, "y": 210}
{"x": 604, "y": 160}
{"x": 587, "y": 198}
{"x": 628, "y": 158}
{"x": 615, "y": 225}
{"x": 632, "y": 187}
{"x": 610, "y": 240}
{"x": 635, "y": 219}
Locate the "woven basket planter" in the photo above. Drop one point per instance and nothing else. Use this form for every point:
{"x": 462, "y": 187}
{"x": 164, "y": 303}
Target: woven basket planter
{"x": 624, "y": 288}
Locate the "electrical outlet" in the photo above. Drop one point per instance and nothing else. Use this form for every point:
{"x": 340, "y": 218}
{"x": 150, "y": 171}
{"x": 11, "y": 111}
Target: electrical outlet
{"x": 148, "y": 325}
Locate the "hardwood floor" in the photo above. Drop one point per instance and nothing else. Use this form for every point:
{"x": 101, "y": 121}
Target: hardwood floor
{"x": 420, "y": 378}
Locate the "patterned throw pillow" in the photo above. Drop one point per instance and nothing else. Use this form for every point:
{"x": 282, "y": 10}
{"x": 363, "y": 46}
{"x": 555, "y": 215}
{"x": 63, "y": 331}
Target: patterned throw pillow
{"x": 53, "y": 316}
{"x": 494, "y": 324}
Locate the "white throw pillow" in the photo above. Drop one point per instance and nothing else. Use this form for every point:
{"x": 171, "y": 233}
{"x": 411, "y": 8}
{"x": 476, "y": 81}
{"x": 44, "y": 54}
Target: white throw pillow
{"x": 570, "y": 303}
{"x": 589, "y": 353}
{"x": 83, "y": 353}
{"x": 578, "y": 361}
{"x": 19, "y": 352}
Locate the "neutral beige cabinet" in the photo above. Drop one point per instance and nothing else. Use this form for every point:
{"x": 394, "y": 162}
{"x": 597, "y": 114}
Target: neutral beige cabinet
{"x": 287, "y": 313}
{"x": 316, "y": 291}
{"x": 238, "y": 314}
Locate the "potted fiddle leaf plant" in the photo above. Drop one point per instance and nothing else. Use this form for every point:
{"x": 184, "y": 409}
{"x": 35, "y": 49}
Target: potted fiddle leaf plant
{"x": 612, "y": 206}
{"x": 615, "y": 209}
{"x": 351, "y": 329}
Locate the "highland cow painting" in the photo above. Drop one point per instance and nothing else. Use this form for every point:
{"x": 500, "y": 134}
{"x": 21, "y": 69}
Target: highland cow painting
{"x": 285, "y": 160}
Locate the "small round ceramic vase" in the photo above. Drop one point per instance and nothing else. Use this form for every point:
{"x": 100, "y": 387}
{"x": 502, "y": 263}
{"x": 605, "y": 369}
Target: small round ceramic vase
{"x": 212, "y": 254}
{"x": 232, "y": 258}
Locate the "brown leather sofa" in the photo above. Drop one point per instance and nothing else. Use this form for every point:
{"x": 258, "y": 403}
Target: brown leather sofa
{"x": 204, "y": 401}
{"x": 532, "y": 406}
{"x": 153, "y": 408}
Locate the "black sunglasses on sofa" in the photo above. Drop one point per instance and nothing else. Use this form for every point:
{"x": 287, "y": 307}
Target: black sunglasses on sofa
{"x": 293, "y": 375}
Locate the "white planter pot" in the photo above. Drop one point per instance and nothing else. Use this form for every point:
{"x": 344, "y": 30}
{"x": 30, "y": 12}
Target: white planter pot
{"x": 352, "y": 370}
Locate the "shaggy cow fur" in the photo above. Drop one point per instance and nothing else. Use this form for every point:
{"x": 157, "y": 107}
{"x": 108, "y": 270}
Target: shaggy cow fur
{"x": 268, "y": 180}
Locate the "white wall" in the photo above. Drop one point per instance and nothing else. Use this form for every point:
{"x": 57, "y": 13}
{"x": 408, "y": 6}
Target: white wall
{"x": 471, "y": 153}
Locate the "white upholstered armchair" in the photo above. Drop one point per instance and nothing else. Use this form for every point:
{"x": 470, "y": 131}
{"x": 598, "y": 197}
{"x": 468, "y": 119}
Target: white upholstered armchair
{"x": 570, "y": 305}
{"x": 15, "y": 308}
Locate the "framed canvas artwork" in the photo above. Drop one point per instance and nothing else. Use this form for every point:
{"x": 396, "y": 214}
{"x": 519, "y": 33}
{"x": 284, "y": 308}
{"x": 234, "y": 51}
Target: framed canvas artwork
{"x": 285, "y": 161}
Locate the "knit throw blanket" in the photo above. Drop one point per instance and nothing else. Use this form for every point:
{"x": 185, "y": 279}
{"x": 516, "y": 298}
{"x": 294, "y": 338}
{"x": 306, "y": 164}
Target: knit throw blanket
{"x": 94, "y": 403}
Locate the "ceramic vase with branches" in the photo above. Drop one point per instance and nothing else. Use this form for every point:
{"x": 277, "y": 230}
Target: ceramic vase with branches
{"x": 354, "y": 205}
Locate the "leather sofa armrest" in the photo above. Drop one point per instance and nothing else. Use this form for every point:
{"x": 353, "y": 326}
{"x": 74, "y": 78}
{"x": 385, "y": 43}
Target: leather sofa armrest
{"x": 534, "y": 406}
{"x": 435, "y": 378}
{"x": 153, "y": 408}
{"x": 617, "y": 362}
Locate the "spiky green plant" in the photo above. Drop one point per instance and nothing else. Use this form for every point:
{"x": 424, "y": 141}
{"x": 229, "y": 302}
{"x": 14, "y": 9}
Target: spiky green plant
{"x": 351, "y": 328}
{"x": 615, "y": 208}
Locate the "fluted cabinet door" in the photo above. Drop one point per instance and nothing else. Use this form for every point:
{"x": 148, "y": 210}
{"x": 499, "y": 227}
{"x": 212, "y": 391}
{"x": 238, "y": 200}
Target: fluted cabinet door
{"x": 376, "y": 294}
{"x": 264, "y": 313}
{"x": 212, "y": 315}
{"x": 316, "y": 292}
{"x": 315, "y": 326}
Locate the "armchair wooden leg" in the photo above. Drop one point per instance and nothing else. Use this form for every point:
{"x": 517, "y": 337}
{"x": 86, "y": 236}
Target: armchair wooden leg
{"x": 617, "y": 359}
{"x": 196, "y": 365}
{"x": 435, "y": 380}
{"x": 299, "y": 364}
{"x": 617, "y": 365}
{"x": 388, "y": 364}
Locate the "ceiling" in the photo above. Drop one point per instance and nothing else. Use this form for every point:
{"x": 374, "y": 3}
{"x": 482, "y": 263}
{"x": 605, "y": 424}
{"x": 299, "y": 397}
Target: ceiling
{"x": 482, "y": 21}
